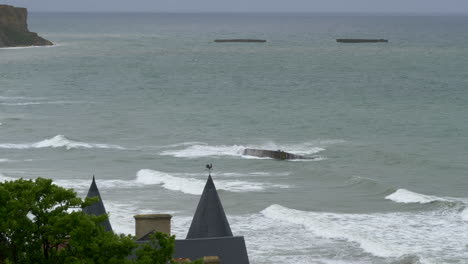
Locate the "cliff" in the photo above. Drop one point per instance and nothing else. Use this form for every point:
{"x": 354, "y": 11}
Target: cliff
{"x": 14, "y": 29}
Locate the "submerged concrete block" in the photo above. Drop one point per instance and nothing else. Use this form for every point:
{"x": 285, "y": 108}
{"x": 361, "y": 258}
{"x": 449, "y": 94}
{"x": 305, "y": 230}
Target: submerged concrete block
{"x": 274, "y": 154}
{"x": 361, "y": 40}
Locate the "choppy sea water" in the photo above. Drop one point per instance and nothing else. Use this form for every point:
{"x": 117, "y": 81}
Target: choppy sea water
{"x": 144, "y": 101}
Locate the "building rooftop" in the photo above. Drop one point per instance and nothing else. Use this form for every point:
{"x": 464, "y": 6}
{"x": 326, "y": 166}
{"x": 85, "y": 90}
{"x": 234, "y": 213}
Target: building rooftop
{"x": 209, "y": 220}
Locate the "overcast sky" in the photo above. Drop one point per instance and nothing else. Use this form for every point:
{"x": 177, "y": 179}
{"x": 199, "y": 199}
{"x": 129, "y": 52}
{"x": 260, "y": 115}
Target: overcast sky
{"x": 362, "y": 6}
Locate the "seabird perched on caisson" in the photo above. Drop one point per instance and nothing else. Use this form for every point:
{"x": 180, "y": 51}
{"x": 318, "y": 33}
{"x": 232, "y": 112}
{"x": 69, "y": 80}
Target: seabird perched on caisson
{"x": 97, "y": 208}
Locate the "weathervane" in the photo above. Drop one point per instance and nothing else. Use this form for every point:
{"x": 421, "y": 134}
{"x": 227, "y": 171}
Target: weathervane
{"x": 209, "y": 167}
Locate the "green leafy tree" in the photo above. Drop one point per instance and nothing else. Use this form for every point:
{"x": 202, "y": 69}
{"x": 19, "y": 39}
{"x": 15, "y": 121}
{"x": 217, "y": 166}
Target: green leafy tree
{"x": 38, "y": 225}
{"x": 43, "y": 223}
{"x": 164, "y": 245}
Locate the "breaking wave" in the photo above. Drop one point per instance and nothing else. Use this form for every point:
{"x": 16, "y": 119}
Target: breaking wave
{"x": 59, "y": 141}
{"x": 30, "y": 47}
{"x": 181, "y": 182}
{"x": 4, "y": 178}
{"x": 204, "y": 150}
{"x": 233, "y": 174}
{"x": 405, "y": 196}
{"x": 195, "y": 186}
{"x": 393, "y": 235}
{"x": 196, "y": 151}
{"x": 464, "y": 214}
{"x": 41, "y": 103}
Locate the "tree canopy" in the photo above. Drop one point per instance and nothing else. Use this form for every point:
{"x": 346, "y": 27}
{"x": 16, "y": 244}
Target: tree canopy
{"x": 41, "y": 222}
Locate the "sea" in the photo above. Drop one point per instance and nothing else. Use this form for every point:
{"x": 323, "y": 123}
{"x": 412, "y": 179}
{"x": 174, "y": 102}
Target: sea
{"x": 143, "y": 101}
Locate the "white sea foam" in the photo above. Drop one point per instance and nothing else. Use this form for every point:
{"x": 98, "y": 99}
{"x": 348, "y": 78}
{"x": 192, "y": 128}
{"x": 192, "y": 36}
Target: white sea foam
{"x": 233, "y": 174}
{"x": 195, "y": 186}
{"x": 183, "y": 144}
{"x": 58, "y": 141}
{"x": 464, "y": 214}
{"x": 204, "y": 150}
{"x": 121, "y": 214}
{"x": 429, "y": 235}
{"x": 15, "y": 98}
{"x": 196, "y": 151}
{"x": 181, "y": 182}
{"x": 5, "y": 160}
{"x": 323, "y": 225}
{"x": 29, "y": 47}
{"x": 405, "y": 196}
{"x": 83, "y": 185}
{"x": 4, "y": 178}
{"x": 42, "y": 103}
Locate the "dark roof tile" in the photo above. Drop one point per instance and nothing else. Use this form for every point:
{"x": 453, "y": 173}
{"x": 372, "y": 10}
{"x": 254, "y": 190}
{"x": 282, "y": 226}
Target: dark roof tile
{"x": 97, "y": 208}
{"x": 209, "y": 219}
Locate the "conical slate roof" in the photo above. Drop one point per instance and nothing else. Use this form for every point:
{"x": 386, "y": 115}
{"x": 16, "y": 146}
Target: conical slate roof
{"x": 97, "y": 208}
{"x": 209, "y": 219}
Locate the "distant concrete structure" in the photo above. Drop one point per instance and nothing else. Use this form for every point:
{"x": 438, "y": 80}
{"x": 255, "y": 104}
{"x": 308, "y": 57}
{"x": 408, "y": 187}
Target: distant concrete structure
{"x": 274, "y": 154}
{"x": 148, "y": 222}
{"x": 97, "y": 208}
{"x": 361, "y": 40}
{"x": 240, "y": 40}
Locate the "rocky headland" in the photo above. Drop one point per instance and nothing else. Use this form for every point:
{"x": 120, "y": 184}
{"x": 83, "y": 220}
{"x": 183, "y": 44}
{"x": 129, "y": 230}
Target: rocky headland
{"x": 14, "y": 29}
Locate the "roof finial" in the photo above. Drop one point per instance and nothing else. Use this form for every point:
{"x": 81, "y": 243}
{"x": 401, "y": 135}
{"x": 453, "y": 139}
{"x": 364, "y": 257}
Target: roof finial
{"x": 209, "y": 167}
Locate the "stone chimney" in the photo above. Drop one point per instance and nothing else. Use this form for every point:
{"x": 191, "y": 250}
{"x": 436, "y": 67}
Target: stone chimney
{"x": 146, "y": 223}
{"x": 211, "y": 260}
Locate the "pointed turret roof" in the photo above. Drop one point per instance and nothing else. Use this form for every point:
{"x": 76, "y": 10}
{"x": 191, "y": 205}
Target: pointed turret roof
{"x": 209, "y": 219}
{"x": 97, "y": 208}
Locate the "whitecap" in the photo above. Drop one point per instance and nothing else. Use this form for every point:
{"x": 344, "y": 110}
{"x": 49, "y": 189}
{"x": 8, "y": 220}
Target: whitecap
{"x": 204, "y": 150}
{"x": 59, "y": 141}
{"x": 391, "y": 235}
{"x": 80, "y": 184}
{"x": 196, "y": 151}
{"x": 4, "y": 178}
{"x": 42, "y": 103}
{"x": 323, "y": 225}
{"x": 195, "y": 186}
{"x": 233, "y": 174}
{"x": 405, "y": 196}
{"x": 464, "y": 214}
{"x": 29, "y": 47}
{"x": 183, "y": 144}
{"x": 15, "y": 98}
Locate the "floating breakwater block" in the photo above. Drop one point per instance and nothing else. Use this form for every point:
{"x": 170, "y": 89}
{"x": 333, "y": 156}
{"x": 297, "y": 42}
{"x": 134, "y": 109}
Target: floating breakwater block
{"x": 275, "y": 154}
{"x": 361, "y": 40}
{"x": 240, "y": 40}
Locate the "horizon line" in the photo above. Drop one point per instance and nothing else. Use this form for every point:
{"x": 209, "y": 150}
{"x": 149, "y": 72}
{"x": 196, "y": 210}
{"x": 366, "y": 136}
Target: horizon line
{"x": 257, "y": 12}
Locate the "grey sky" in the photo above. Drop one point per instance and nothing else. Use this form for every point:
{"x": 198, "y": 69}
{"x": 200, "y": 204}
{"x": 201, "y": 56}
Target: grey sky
{"x": 365, "y": 6}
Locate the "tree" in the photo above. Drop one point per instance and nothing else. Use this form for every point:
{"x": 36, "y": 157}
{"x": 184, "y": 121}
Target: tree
{"x": 38, "y": 225}
{"x": 43, "y": 223}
